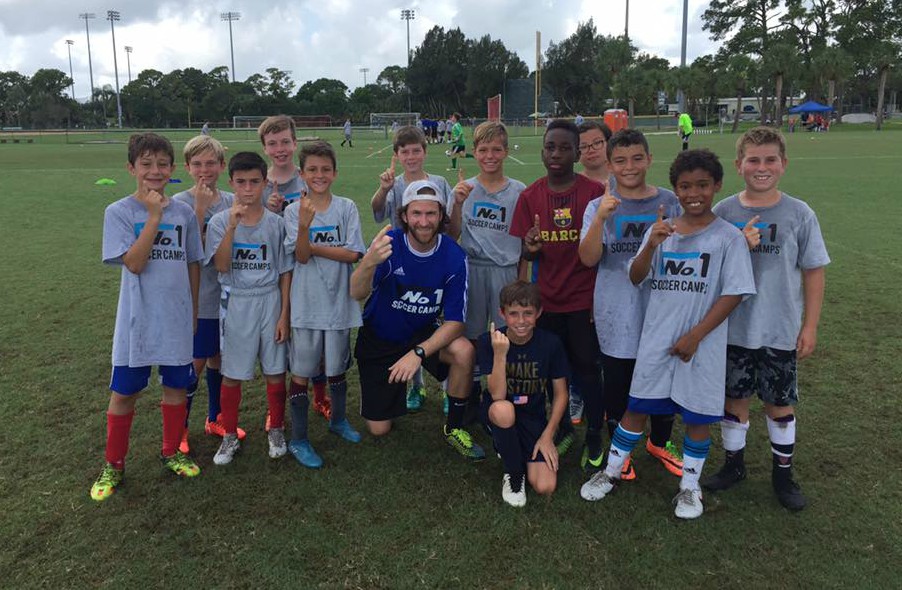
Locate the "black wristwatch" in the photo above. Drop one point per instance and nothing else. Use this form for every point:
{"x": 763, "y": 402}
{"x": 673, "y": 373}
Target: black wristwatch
{"x": 418, "y": 350}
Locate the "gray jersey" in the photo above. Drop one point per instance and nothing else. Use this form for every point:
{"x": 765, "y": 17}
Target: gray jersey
{"x": 618, "y": 305}
{"x": 208, "y": 304}
{"x": 347, "y": 128}
{"x": 791, "y": 242}
{"x": 258, "y": 251}
{"x": 393, "y": 198}
{"x": 154, "y": 317}
{"x": 485, "y": 224}
{"x": 320, "y": 289}
{"x": 688, "y": 274}
{"x": 290, "y": 191}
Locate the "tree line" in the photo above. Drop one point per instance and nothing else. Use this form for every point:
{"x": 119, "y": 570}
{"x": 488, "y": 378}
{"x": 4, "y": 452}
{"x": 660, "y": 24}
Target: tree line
{"x": 841, "y": 52}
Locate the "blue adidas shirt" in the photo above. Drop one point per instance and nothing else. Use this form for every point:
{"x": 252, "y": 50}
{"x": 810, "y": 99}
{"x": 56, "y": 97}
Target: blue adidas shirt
{"x": 411, "y": 290}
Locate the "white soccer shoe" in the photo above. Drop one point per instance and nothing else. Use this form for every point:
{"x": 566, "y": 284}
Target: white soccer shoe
{"x": 599, "y": 485}
{"x": 516, "y": 499}
{"x": 688, "y": 504}
{"x": 227, "y": 450}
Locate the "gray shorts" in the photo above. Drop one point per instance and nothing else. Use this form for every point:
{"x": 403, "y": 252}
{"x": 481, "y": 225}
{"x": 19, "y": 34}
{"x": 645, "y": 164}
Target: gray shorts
{"x": 308, "y": 347}
{"x": 247, "y": 327}
{"x": 768, "y": 372}
{"x": 484, "y": 284}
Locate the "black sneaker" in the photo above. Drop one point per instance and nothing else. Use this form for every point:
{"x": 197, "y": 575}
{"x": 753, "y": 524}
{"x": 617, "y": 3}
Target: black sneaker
{"x": 788, "y": 491}
{"x": 732, "y": 472}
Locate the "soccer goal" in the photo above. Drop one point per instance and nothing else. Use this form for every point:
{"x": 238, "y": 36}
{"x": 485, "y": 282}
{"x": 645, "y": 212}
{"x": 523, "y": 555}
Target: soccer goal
{"x": 300, "y": 121}
{"x": 389, "y": 119}
{"x": 493, "y": 107}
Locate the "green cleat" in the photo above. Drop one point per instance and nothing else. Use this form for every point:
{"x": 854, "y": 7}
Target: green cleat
{"x": 461, "y": 441}
{"x": 564, "y": 442}
{"x": 181, "y": 464}
{"x": 590, "y": 463}
{"x": 106, "y": 484}
{"x": 416, "y": 394}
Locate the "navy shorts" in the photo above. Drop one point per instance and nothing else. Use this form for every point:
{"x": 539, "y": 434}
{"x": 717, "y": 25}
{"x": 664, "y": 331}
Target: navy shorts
{"x": 206, "y": 339}
{"x": 379, "y": 399}
{"x": 529, "y": 425}
{"x": 768, "y": 372}
{"x": 131, "y": 380}
{"x": 656, "y": 407}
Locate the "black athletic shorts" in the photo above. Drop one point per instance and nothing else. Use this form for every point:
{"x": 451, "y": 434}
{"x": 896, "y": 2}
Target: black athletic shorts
{"x": 379, "y": 399}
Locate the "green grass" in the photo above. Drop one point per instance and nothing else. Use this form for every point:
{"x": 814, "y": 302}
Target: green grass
{"x": 406, "y": 511}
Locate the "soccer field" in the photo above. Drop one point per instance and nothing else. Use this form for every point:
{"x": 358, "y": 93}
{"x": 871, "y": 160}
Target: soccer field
{"x": 407, "y": 511}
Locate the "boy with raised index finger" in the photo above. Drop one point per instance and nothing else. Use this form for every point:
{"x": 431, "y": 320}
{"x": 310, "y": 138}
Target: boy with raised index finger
{"x": 698, "y": 270}
{"x": 156, "y": 241}
{"x": 770, "y": 332}
{"x": 205, "y": 161}
{"x": 324, "y": 239}
{"x": 246, "y": 245}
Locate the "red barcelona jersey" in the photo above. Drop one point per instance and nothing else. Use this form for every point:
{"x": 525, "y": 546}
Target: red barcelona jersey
{"x": 564, "y": 283}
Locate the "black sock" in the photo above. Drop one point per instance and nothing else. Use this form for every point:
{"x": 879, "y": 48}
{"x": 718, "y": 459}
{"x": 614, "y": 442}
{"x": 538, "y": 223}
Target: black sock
{"x": 661, "y": 429}
{"x": 593, "y": 442}
{"x": 456, "y": 410}
{"x": 507, "y": 443}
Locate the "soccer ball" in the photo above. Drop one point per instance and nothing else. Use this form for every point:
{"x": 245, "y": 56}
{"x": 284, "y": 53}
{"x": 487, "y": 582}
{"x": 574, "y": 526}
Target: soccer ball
{"x": 516, "y": 146}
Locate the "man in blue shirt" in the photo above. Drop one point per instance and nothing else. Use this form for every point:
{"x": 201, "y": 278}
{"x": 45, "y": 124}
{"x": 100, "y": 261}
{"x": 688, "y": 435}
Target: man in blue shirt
{"x": 410, "y": 277}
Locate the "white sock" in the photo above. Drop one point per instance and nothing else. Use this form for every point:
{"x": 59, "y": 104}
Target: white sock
{"x": 733, "y": 434}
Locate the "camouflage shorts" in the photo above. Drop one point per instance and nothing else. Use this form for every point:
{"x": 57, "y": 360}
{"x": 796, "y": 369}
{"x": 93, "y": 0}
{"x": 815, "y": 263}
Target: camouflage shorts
{"x": 769, "y": 372}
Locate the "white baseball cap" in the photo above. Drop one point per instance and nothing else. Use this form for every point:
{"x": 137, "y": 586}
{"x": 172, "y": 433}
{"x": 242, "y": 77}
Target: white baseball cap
{"x": 422, "y": 190}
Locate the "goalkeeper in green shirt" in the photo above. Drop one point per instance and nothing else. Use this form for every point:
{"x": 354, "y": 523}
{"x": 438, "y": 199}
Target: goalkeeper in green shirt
{"x": 684, "y": 126}
{"x": 458, "y": 145}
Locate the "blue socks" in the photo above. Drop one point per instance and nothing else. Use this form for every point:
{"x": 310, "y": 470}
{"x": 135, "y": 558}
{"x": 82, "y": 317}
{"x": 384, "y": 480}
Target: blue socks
{"x": 338, "y": 389}
{"x": 300, "y": 402}
{"x": 214, "y": 387}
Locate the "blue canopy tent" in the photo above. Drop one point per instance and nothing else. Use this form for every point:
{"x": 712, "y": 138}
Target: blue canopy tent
{"x": 810, "y": 107}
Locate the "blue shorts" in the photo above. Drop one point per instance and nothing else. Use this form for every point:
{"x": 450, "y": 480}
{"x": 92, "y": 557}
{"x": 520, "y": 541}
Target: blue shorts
{"x": 206, "y": 339}
{"x": 656, "y": 407}
{"x": 131, "y": 380}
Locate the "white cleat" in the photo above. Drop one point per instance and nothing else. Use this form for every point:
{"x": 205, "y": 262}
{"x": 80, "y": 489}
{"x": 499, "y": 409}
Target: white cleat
{"x": 688, "y": 504}
{"x": 599, "y": 485}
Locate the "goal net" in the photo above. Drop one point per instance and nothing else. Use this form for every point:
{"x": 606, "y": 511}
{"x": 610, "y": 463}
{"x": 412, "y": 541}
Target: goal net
{"x": 389, "y": 119}
{"x": 493, "y": 107}
{"x": 300, "y": 121}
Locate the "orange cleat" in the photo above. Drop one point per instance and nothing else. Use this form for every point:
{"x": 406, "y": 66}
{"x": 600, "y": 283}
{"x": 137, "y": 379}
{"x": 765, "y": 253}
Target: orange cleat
{"x": 216, "y": 429}
{"x": 668, "y": 455}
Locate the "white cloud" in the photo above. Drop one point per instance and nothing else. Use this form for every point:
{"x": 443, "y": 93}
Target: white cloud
{"x": 312, "y": 39}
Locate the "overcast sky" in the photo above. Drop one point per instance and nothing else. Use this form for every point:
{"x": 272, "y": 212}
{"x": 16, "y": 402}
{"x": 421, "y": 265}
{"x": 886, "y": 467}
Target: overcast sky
{"x": 331, "y": 38}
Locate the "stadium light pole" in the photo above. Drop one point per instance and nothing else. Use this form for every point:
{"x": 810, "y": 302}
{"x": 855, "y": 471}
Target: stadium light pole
{"x": 128, "y": 60}
{"x": 86, "y": 16}
{"x": 113, "y": 17}
{"x": 364, "y": 71}
{"x": 69, "y": 44}
{"x": 682, "y": 95}
{"x": 408, "y": 14}
{"x": 231, "y": 16}
{"x": 626, "y": 26}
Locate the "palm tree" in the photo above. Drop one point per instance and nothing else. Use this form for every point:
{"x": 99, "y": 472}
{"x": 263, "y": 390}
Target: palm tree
{"x": 885, "y": 56}
{"x": 740, "y": 70}
{"x": 781, "y": 62}
{"x": 833, "y": 64}
{"x": 631, "y": 83}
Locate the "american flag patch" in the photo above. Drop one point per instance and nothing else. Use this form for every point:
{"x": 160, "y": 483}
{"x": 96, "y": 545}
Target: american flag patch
{"x": 520, "y": 400}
